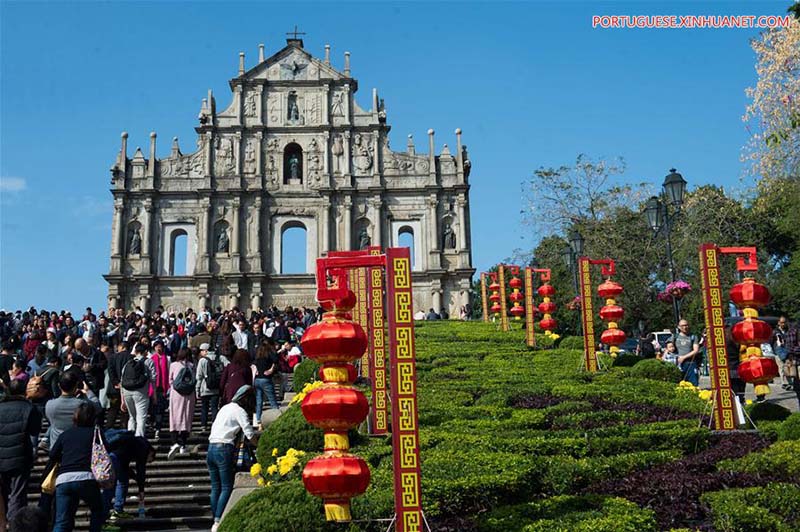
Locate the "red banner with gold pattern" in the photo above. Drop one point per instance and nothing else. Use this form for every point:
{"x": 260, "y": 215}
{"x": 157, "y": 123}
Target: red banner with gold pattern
{"x": 714, "y": 313}
{"x": 530, "y": 310}
{"x": 587, "y": 314}
{"x": 379, "y": 415}
{"x": 501, "y": 279}
{"x": 405, "y": 432}
{"x": 484, "y": 300}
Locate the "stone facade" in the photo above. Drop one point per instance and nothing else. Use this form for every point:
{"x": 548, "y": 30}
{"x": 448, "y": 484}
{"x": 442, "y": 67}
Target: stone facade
{"x": 293, "y": 149}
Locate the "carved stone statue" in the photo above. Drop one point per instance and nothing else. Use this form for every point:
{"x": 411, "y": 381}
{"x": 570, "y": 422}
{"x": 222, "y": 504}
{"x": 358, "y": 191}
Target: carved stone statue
{"x": 293, "y": 113}
{"x": 134, "y": 242}
{"x": 250, "y": 104}
{"x": 448, "y": 237}
{"x": 250, "y": 157}
{"x": 223, "y": 243}
{"x": 337, "y": 107}
{"x": 294, "y": 167}
{"x": 362, "y": 153}
{"x": 364, "y": 240}
{"x": 337, "y": 150}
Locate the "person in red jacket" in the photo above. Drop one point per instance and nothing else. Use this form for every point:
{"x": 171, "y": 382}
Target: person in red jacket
{"x": 235, "y": 375}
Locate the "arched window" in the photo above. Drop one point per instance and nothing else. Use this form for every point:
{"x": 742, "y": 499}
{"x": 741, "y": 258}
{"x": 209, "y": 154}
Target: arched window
{"x": 293, "y": 164}
{"x": 293, "y": 248}
{"x": 179, "y": 246}
{"x": 405, "y": 239}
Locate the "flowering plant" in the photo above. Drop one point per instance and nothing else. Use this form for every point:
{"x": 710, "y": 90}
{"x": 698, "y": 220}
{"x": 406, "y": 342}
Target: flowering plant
{"x": 575, "y": 304}
{"x": 686, "y": 386}
{"x": 675, "y": 289}
{"x": 282, "y": 469}
{"x": 306, "y": 389}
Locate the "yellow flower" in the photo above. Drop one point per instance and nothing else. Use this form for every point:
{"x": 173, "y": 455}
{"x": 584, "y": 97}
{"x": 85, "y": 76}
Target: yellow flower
{"x": 275, "y": 451}
{"x": 255, "y": 470}
{"x": 705, "y": 395}
{"x": 555, "y": 336}
{"x": 748, "y": 401}
{"x": 306, "y": 389}
{"x": 261, "y": 481}
{"x": 269, "y": 483}
{"x": 271, "y": 470}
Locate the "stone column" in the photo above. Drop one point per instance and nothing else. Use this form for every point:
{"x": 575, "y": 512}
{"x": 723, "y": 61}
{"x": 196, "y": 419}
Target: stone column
{"x": 203, "y": 300}
{"x": 459, "y": 156}
{"x": 348, "y": 224}
{"x": 347, "y": 104}
{"x": 233, "y": 290}
{"x": 377, "y": 220}
{"x": 238, "y": 92}
{"x": 253, "y": 236}
{"x": 433, "y": 233}
{"x": 259, "y": 152}
{"x": 255, "y": 298}
{"x": 203, "y": 235}
{"x": 209, "y": 140}
{"x": 347, "y": 156}
{"x": 144, "y": 302}
{"x": 235, "y": 251}
{"x": 151, "y": 163}
{"x": 237, "y": 153}
{"x": 437, "y": 299}
{"x": 260, "y": 105}
{"x": 431, "y": 158}
{"x": 326, "y": 106}
{"x": 462, "y": 230}
{"x": 325, "y": 222}
{"x": 146, "y": 244}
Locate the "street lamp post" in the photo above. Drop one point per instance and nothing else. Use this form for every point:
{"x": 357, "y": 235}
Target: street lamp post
{"x": 661, "y": 214}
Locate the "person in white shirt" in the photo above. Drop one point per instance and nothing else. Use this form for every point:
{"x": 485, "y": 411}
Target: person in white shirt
{"x": 240, "y": 335}
{"x": 232, "y": 419}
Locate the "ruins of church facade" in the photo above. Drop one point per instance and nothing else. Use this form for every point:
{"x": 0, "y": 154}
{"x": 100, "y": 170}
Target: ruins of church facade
{"x": 293, "y": 149}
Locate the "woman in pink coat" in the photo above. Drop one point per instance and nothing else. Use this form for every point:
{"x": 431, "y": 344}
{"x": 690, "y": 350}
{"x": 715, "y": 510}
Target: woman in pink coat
{"x": 159, "y": 389}
{"x": 181, "y": 406}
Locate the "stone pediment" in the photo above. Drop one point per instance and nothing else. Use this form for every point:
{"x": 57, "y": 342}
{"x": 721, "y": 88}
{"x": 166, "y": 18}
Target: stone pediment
{"x": 293, "y": 63}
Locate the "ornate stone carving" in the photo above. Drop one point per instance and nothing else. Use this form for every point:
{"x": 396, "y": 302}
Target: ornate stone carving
{"x": 250, "y": 104}
{"x": 364, "y": 240}
{"x": 337, "y": 150}
{"x": 293, "y": 68}
{"x": 274, "y": 109}
{"x": 448, "y": 237}
{"x": 250, "y": 156}
{"x": 225, "y": 163}
{"x": 221, "y": 240}
{"x": 362, "y": 152}
{"x": 134, "y": 241}
{"x": 337, "y": 105}
{"x": 313, "y": 109}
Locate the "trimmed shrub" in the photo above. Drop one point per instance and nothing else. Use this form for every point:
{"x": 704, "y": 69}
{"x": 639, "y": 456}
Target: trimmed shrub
{"x": 290, "y": 430}
{"x": 626, "y": 360}
{"x": 565, "y": 513}
{"x": 571, "y": 342}
{"x": 656, "y": 370}
{"x": 772, "y": 508}
{"x": 305, "y": 372}
{"x": 766, "y": 411}
{"x": 790, "y": 428}
{"x": 778, "y": 459}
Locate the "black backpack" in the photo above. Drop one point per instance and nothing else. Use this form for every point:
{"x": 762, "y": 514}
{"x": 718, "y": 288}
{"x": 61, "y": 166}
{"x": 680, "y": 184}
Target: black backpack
{"x": 184, "y": 381}
{"x": 134, "y": 375}
{"x": 213, "y": 373}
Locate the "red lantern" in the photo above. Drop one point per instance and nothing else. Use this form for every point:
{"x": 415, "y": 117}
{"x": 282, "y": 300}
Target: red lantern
{"x": 337, "y": 475}
{"x": 611, "y": 313}
{"x": 548, "y": 324}
{"x": 494, "y": 297}
{"x": 751, "y": 333}
{"x": 546, "y": 290}
{"x": 515, "y": 283}
{"x": 547, "y": 308}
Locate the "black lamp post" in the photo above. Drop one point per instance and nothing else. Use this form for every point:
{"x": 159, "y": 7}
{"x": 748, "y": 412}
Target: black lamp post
{"x": 570, "y": 255}
{"x": 661, "y": 214}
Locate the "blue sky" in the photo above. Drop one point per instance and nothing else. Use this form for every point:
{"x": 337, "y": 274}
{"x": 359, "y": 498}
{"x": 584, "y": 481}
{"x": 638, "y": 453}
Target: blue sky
{"x": 531, "y": 84}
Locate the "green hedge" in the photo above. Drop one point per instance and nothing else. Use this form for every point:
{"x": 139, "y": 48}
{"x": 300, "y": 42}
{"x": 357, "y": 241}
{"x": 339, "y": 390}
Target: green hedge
{"x": 780, "y": 457}
{"x": 772, "y": 508}
{"x": 571, "y": 342}
{"x": 766, "y": 411}
{"x": 652, "y": 368}
{"x": 305, "y": 372}
{"x": 790, "y": 428}
{"x": 588, "y": 513}
{"x": 626, "y": 360}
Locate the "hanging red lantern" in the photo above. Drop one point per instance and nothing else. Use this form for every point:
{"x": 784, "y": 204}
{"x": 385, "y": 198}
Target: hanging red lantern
{"x": 547, "y": 307}
{"x": 611, "y": 313}
{"x": 494, "y": 288}
{"x": 336, "y": 476}
{"x": 751, "y": 332}
{"x": 516, "y": 296}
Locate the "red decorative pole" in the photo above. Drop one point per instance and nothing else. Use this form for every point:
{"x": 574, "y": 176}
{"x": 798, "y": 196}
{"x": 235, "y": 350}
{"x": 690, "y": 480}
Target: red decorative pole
{"x": 501, "y": 280}
{"x": 336, "y": 476}
{"x": 530, "y": 332}
{"x": 611, "y": 313}
{"x": 484, "y": 300}
{"x": 587, "y": 308}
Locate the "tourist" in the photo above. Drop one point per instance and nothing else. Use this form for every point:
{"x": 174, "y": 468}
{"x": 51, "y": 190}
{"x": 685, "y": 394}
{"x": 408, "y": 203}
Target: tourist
{"x": 18, "y": 371}
{"x": 240, "y": 334}
{"x": 51, "y": 342}
{"x": 200, "y": 338}
{"x": 181, "y": 402}
{"x": 116, "y": 362}
{"x": 670, "y": 353}
{"x": 266, "y": 364}
{"x": 646, "y": 346}
{"x": 75, "y": 481}
{"x": 793, "y": 356}
{"x": 59, "y": 411}
{"x": 235, "y": 375}
{"x": 778, "y": 344}
{"x": 432, "y": 315}
{"x": 7, "y": 358}
{"x": 420, "y": 315}
{"x": 159, "y": 388}
{"x": 126, "y": 448}
{"x": 688, "y": 347}
{"x": 135, "y": 379}
{"x": 233, "y": 418}
{"x": 38, "y": 362}
{"x": 209, "y": 373}
{"x": 20, "y": 424}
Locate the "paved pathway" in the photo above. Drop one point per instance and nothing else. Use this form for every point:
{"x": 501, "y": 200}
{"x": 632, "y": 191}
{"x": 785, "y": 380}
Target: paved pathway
{"x": 778, "y": 395}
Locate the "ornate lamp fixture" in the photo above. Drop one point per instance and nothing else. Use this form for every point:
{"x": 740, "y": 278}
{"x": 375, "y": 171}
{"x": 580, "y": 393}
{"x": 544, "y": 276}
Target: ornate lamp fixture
{"x": 751, "y": 332}
{"x": 336, "y": 476}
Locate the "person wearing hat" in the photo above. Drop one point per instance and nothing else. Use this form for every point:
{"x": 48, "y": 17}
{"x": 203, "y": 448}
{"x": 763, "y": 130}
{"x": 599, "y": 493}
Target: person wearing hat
{"x": 232, "y": 419}
{"x": 209, "y": 362}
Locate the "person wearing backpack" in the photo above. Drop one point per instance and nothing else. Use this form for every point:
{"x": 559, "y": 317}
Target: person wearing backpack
{"x": 181, "y": 401}
{"x": 135, "y": 379}
{"x": 209, "y": 373}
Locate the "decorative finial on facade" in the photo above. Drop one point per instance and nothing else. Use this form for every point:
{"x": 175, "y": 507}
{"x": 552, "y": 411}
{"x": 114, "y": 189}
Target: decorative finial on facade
{"x": 327, "y": 54}
{"x": 445, "y": 150}
{"x": 410, "y": 148}
{"x": 203, "y": 116}
{"x": 347, "y": 64}
{"x": 176, "y": 149}
{"x": 260, "y": 53}
{"x": 374, "y": 100}
{"x": 458, "y": 131}
{"x": 151, "y": 166}
{"x": 241, "y": 63}
{"x": 459, "y": 153}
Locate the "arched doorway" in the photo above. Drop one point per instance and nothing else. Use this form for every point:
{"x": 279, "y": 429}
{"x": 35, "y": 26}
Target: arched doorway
{"x": 293, "y": 248}
{"x": 179, "y": 252}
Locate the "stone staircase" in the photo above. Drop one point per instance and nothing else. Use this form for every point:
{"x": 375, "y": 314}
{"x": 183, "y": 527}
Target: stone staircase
{"x": 176, "y": 491}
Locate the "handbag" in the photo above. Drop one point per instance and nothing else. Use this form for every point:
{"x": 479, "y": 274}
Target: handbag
{"x": 244, "y": 458}
{"x": 102, "y": 467}
{"x": 49, "y": 482}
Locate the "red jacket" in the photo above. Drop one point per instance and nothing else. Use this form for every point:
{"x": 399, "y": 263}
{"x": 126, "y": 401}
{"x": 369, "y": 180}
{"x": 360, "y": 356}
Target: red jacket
{"x": 234, "y": 377}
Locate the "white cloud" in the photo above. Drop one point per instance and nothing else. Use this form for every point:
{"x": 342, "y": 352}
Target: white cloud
{"x": 12, "y": 184}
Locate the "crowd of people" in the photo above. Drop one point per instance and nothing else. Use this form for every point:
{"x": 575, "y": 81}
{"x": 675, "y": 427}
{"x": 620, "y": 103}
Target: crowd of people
{"x": 102, "y": 381}
{"x": 688, "y": 351}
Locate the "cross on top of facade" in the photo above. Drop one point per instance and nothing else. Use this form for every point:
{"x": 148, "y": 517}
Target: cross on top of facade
{"x": 295, "y": 33}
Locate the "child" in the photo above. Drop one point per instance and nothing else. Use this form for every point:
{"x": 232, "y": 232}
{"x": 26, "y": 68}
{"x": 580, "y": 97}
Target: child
{"x": 670, "y": 353}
